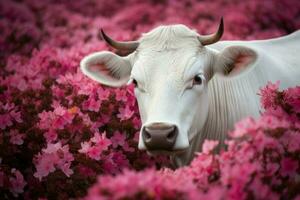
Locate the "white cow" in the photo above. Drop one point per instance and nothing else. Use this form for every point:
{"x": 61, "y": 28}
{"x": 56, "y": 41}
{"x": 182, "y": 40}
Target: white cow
{"x": 190, "y": 88}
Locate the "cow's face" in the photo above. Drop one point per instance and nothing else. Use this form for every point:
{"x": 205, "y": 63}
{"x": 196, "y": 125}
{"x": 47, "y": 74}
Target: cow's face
{"x": 170, "y": 68}
{"x": 171, "y": 90}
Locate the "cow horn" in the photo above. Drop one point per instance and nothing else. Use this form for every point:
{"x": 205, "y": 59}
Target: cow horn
{"x": 129, "y": 46}
{"x": 212, "y": 38}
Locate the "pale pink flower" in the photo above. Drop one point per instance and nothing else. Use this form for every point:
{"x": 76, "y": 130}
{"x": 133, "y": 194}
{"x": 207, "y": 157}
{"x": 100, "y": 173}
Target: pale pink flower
{"x": 52, "y": 148}
{"x": 244, "y": 126}
{"x": 209, "y": 145}
{"x": 55, "y": 156}
{"x": 45, "y": 165}
{"x": 125, "y": 113}
{"x": 85, "y": 146}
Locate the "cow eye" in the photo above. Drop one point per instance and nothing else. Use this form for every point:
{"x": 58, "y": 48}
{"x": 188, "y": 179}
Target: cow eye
{"x": 198, "y": 79}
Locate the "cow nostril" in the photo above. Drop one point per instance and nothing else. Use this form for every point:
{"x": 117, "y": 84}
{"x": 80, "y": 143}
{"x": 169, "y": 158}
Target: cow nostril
{"x": 171, "y": 135}
{"x": 159, "y": 136}
{"x": 147, "y": 136}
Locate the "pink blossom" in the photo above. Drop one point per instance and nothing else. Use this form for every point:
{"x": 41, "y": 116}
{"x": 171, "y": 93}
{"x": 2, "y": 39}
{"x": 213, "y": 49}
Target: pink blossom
{"x": 288, "y": 167}
{"x": 17, "y": 182}
{"x": 16, "y": 116}
{"x": 118, "y": 139}
{"x": 121, "y": 95}
{"x": 85, "y": 146}
{"x": 292, "y": 97}
{"x": 243, "y": 127}
{"x": 101, "y": 140}
{"x": 95, "y": 146}
{"x": 92, "y": 105}
{"x": 209, "y": 145}
{"x": 50, "y": 135}
{"x": 45, "y": 165}
{"x": 125, "y": 113}
{"x": 16, "y": 137}
{"x": 290, "y": 140}
{"x": 54, "y": 156}
{"x": 103, "y": 94}
{"x": 5, "y": 121}
{"x": 268, "y": 94}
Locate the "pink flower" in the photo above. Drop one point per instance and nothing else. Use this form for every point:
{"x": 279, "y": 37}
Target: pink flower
{"x": 291, "y": 140}
{"x": 50, "y": 135}
{"x": 209, "y": 145}
{"x": 95, "y": 146}
{"x": 85, "y": 146}
{"x": 45, "y": 165}
{"x": 5, "y": 121}
{"x": 272, "y": 168}
{"x": 16, "y": 116}
{"x": 247, "y": 125}
{"x": 101, "y": 140}
{"x": 103, "y": 94}
{"x": 17, "y": 182}
{"x": 292, "y": 97}
{"x": 273, "y": 122}
{"x": 54, "y": 156}
{"x": 57, "y": 119}
{"x": 121, "y": 95}
{"x": 268, "y": 94}
{"x": 118, "y": 139}
{"x": 52, "y": 148}
{"x": 16, "y": 137}
{"x": 92, "y": 105}
{"x": 125, "y": 113}
{"x": 288, "y": 167}
{"x": 94, "y": 152}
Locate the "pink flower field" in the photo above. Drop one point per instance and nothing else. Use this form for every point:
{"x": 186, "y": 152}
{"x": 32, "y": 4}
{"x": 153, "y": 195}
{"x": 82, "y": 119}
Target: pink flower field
{"x": 64, "y": 136}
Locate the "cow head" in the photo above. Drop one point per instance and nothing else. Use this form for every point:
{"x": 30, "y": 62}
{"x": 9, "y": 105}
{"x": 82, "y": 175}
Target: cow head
{"x": 170, "y": 67}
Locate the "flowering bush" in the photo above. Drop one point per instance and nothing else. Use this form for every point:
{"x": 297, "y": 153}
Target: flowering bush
{"x": 261, "y": 162}
{"x": 59, "y": 130}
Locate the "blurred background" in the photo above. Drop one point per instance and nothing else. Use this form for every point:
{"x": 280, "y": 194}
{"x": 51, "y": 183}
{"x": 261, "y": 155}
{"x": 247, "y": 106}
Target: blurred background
{"x": 29, "y": 24}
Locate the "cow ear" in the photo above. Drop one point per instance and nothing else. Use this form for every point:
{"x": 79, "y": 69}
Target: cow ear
{"x": 234, "y": 60}
{"x": 106, "y": 68}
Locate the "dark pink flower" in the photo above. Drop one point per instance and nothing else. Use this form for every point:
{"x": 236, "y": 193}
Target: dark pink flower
{"x": 288, "y": 167}
{"x": 17, "y": 182}
{"x": 16, "y": 137}
{"x": 268, "y": 94}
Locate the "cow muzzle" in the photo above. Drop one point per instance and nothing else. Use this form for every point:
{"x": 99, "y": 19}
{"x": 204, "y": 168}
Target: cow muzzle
{"x": 159, "y": 136}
